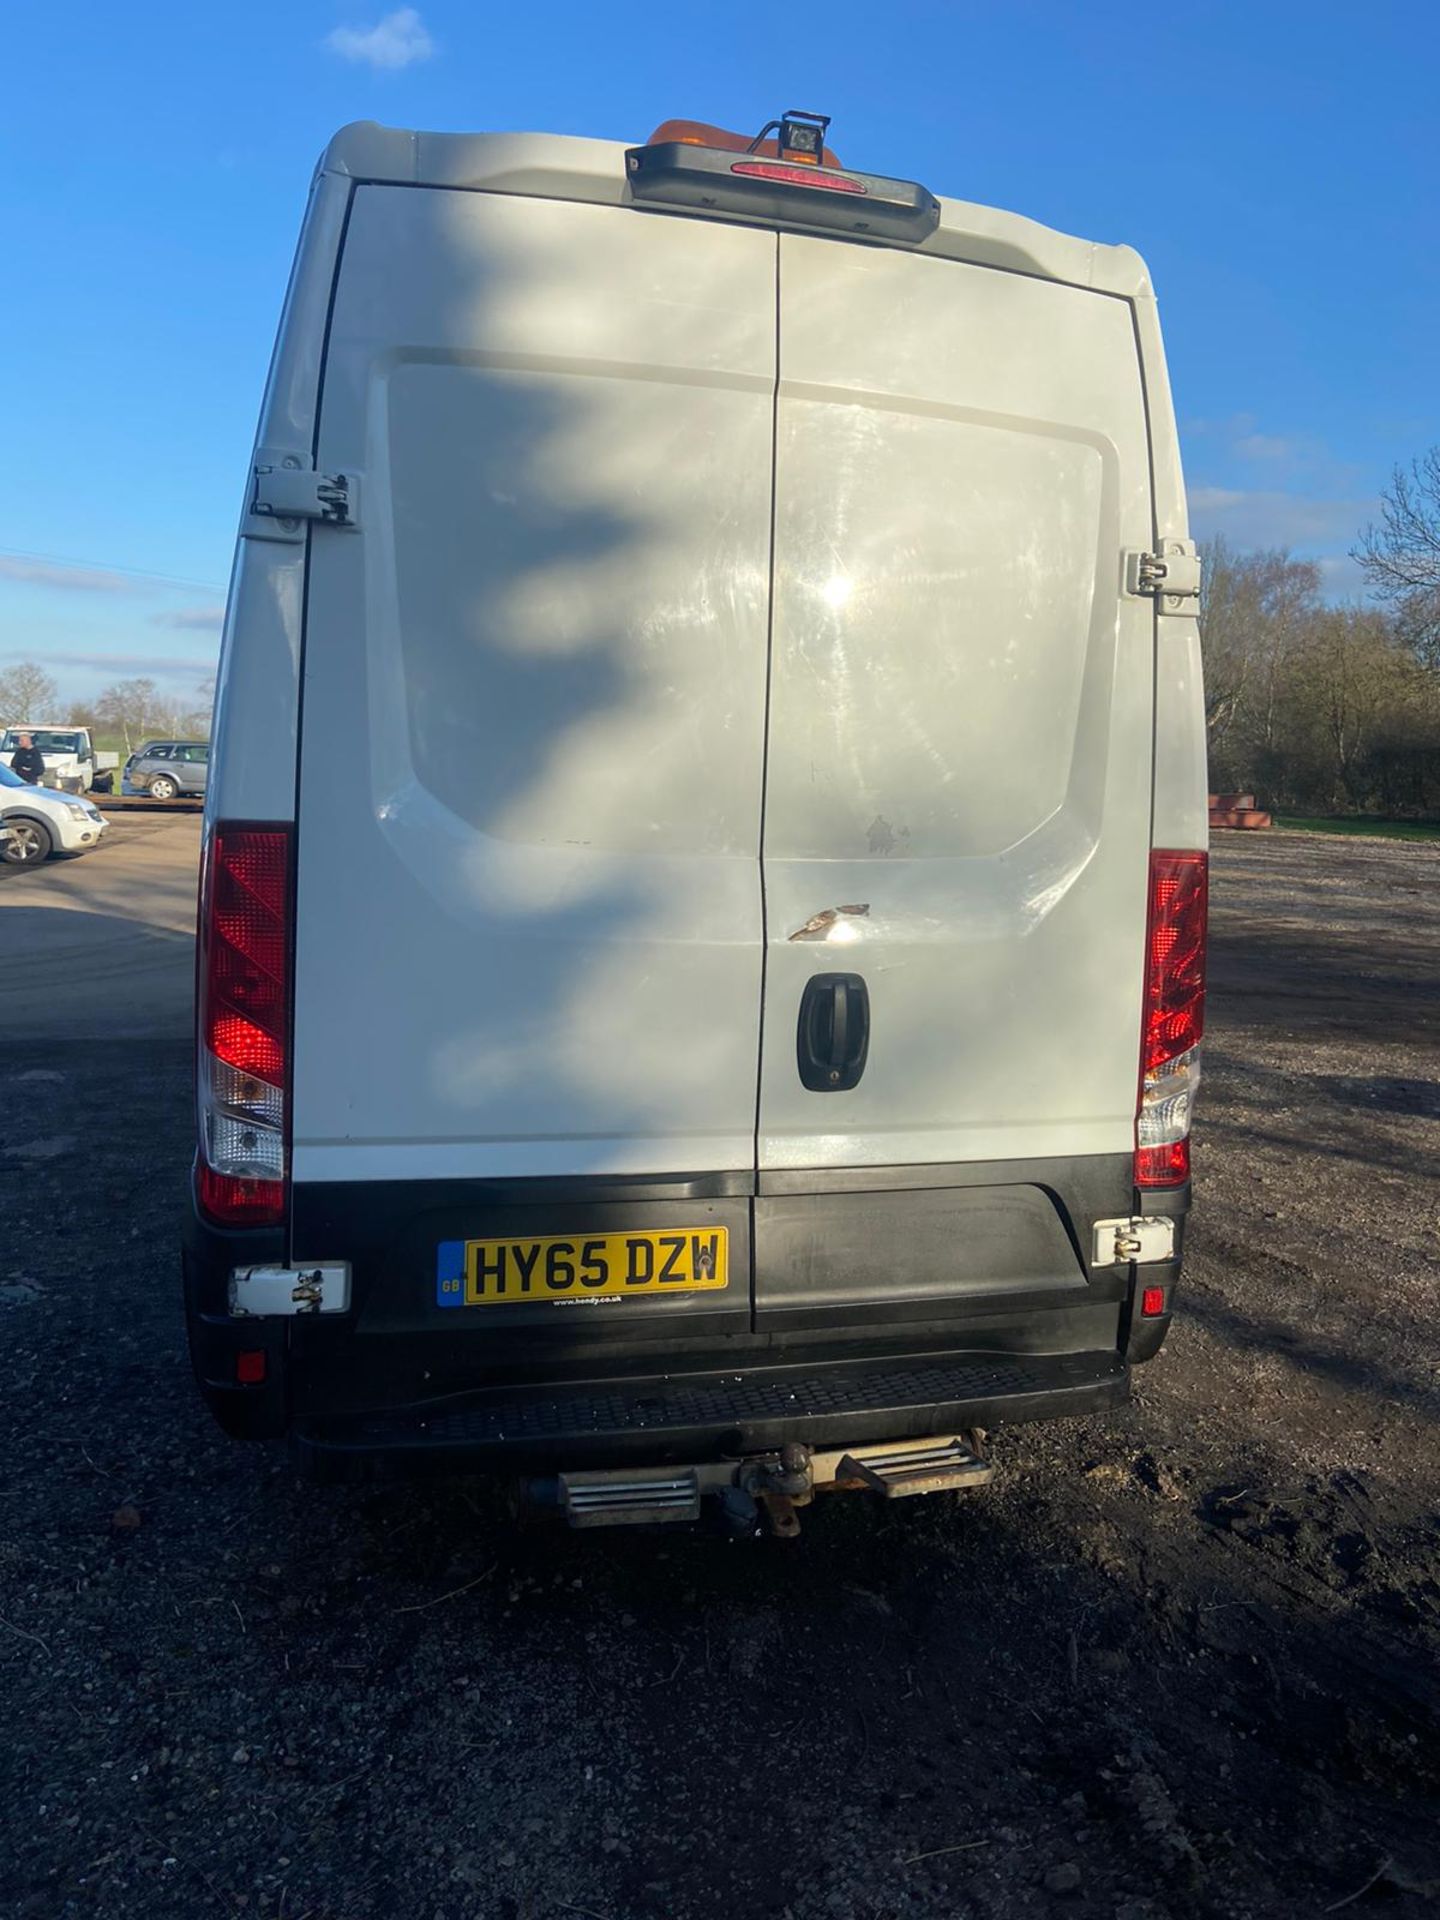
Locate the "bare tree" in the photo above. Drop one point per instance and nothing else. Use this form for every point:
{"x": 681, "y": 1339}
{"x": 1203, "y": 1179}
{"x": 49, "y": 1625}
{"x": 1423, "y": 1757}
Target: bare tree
{"x": 1358, "y": 673}
{"x": 1401, "y": 556}
{"x": 1252, "y": 608}
{"x": 1290, "y": 598}
{"x": 131, "y": 707}
{"x": 200, "y": 718}
{"x": 26, "y": 693}
{"x": 1310, "y": 705}
{"x": 1224, "y": 631}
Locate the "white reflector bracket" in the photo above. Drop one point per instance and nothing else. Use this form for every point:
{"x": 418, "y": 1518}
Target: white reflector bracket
{"x": 1143, "y": 1240}
{"x": 264, "y": 1292}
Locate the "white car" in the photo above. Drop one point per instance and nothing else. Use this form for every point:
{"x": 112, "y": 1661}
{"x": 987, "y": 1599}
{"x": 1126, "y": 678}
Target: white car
{"x": 36, "y": 822}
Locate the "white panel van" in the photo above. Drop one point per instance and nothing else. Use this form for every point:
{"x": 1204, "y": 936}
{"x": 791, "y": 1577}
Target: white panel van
{"x": 703, "y": 906}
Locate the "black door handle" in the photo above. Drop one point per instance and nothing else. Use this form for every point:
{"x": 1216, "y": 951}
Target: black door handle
{"x": 833, "y": 1034}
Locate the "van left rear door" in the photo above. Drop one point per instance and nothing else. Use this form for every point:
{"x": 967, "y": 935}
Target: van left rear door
{"x": 529, "y": 915}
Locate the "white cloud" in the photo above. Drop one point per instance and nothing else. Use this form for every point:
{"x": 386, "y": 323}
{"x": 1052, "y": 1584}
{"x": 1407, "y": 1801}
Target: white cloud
{"x": 1288, "y": 461}
{"x": 191, "y": 619}
{"x": 116, "y": 664}
{"x": 1275, "y": 519}
{"x": 35, "y": 572}
{"x": 1230, "y": 428}
{"x": 1314, "y": 528}
{"x": 1342, "y": 578}
{"x": 84, "y": 576}
{"x": 1266, "y": 446}
{"x": 396, "y": 40}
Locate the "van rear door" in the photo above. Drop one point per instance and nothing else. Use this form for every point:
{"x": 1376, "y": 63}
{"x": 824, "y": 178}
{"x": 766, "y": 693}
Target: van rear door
{"x": 528, "y": 912}
{"x": 958, "y": 781}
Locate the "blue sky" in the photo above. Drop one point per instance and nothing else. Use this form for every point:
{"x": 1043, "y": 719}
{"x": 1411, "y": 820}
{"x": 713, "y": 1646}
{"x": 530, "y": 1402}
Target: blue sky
{"x": 1275, "y": 162}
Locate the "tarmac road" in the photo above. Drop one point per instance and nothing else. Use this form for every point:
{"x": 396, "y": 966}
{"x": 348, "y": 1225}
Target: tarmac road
{"x": 1178, "y": 1664}
{"x": 102, "y": 946}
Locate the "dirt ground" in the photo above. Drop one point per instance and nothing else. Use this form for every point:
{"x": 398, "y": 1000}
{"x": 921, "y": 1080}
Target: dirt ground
{"x": 1178, "y": 1662}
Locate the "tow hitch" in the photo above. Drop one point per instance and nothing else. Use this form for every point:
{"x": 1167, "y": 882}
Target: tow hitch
{"x": 763, "y": 1492}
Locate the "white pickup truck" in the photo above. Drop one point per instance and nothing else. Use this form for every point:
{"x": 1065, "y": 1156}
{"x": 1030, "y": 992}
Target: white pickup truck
{"x": 71, "y": 763}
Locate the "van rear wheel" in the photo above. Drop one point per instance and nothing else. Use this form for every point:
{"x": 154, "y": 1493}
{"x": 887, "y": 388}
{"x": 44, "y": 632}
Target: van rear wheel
{"x": 27, "y": 843}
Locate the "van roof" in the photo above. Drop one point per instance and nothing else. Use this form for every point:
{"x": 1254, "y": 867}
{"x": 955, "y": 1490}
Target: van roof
{"x": 560, "y": 167}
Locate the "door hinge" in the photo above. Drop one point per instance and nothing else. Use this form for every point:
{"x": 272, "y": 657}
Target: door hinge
{"x": 1172, "y": 575}
{"x": 285, "y": 492}
{"x": 1144, "y": 1240}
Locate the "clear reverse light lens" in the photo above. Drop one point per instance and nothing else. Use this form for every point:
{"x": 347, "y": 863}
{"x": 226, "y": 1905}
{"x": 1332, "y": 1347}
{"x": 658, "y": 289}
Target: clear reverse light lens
{"x": 242, "y": 1148}
{"x": 242, "y": 1122}
{"x": 242, "y": 1095}
{"x": 1167, "y": 1100}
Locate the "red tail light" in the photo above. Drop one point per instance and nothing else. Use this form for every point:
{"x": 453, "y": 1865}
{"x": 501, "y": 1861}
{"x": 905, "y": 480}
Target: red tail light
{"x": 1175, "y": 955}
{"x": 235, "y": 1201}
{"x": 244, "y": 1024}
{"x": 1167, "y": 1165}
{"x": 246, "y": 950}
{"x": 1174, "y": 1017}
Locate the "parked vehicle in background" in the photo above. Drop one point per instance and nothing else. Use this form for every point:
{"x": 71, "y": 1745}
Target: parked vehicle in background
{"x": 72, "y": 764}
{"x": 166, "y": 768}
{"x": 732, "y": 1029}
{"x": 38, "y": 822}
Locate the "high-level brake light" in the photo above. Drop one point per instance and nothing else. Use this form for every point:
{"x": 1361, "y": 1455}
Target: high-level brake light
{"x": 790, "y": 179}
{"x": 244, "y": 1024}
{"x": 806, "y": 176}
{"x": 1174, "y": 1017}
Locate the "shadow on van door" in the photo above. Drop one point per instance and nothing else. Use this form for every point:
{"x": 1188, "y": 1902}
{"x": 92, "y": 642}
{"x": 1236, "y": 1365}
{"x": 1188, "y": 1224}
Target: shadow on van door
{"x": 562, "y": 589}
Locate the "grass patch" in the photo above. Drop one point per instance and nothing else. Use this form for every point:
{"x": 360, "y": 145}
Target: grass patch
{"x": 1359, "y": 823}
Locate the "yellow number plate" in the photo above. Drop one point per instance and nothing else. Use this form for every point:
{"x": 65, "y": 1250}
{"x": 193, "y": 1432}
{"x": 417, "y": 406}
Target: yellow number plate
{"x": 501, "y": 1273}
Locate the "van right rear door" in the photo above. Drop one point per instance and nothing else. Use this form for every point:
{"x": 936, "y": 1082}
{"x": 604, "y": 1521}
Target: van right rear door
{"x": 958, "y": 780}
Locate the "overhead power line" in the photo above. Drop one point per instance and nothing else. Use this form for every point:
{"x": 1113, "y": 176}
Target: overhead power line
{"x": 103, "y": 566}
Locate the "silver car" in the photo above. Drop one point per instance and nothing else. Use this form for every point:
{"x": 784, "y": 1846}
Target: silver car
{"x": 166, "y": 768}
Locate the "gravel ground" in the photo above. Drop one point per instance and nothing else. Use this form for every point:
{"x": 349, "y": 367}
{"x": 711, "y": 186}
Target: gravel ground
{"x": 1179, "y": 1662}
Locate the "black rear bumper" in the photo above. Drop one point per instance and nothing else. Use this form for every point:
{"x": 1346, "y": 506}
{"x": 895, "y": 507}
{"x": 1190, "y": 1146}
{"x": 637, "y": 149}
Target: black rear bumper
{"x": 891, "y": 1305}
{"x": 711, "y": 1416}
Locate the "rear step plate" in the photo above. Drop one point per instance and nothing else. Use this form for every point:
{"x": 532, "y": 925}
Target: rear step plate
{"x": 629, "y": 1499}
{"x": 935, "y": 1466}
{"x": 638, "y": 1496}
